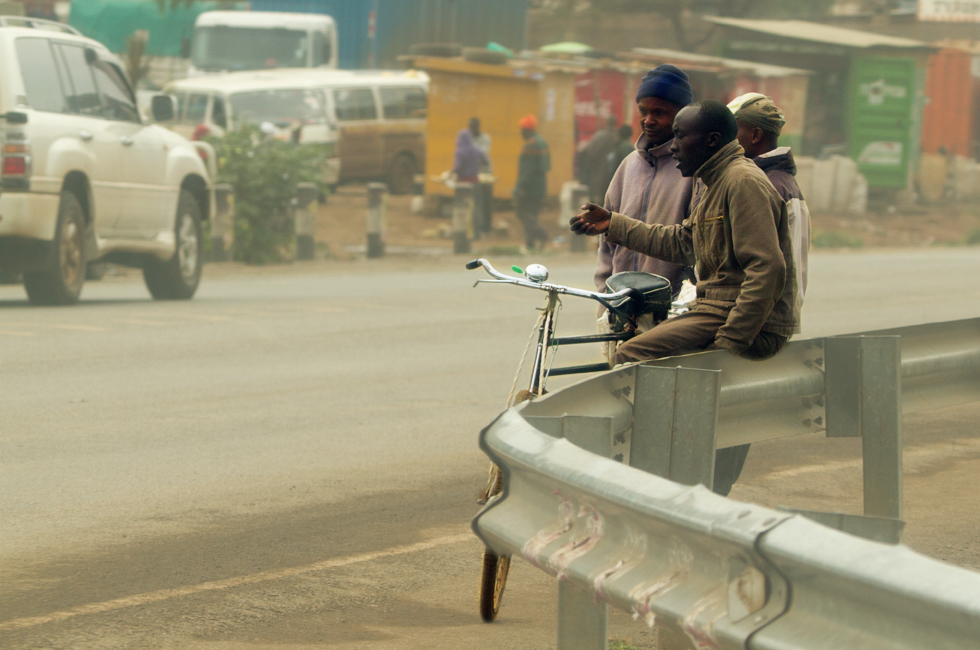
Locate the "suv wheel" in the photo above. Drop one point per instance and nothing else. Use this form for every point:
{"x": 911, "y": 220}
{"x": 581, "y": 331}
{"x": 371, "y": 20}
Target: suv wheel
{"x": 401, "y": 175}
{"x": 62, "y": 284}
{"x": 178, "y": 277}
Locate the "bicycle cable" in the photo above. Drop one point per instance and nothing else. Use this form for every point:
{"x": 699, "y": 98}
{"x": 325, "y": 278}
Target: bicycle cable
{"x": 520, "y": 366}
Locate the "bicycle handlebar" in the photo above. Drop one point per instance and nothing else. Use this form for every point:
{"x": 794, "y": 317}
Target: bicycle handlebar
{"x": 602, "y": 298}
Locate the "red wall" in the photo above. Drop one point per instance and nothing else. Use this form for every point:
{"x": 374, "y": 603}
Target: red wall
{"x": 947, "y": 120}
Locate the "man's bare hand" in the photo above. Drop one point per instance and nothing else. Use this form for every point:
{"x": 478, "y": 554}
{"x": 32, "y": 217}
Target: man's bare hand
{"x": 594, "y": 220}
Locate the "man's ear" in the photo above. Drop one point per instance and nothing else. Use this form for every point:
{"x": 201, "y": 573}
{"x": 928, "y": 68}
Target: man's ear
{"x": 713, "y": 140}
{"x": 757, "y": 135}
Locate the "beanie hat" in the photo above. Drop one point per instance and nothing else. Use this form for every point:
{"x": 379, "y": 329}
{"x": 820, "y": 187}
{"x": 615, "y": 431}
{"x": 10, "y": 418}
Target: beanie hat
{"x": 666, "y": 82}
{"x": 758, "y": 110}
{"x": 529, "y": 122}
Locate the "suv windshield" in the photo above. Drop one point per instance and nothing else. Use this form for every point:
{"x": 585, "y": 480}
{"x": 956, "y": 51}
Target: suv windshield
{"x": 248, "y": 48}
{"x": 281, "y": 107}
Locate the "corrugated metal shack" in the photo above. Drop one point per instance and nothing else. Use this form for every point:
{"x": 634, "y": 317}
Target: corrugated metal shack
{"x": 399, "y": 24}
{"x": 499, "y": 95}
{"x": 866, "y": 95}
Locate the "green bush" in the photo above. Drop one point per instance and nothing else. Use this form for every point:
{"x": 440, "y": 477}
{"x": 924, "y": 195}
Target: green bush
{"x": 835, "y": 239}
{"x": 264, "y": 172}
{"x": 973, "y": 237}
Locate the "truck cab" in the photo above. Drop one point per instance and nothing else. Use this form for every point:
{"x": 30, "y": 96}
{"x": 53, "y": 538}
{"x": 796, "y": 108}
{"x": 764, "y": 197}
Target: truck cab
{"x": 230, "y": 41}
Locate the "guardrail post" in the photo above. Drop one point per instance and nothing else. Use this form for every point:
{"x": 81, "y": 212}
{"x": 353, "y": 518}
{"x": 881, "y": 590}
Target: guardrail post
{"x": 583, "y": 624}
{"x": 376, "y": 218}
{"x": 221, "y": 229}
{"x": 580, "y": 196}
{"x": 675, "y": 413}
{"x": 304, "y": 220}
{"x": 462, "y": 217}
{"x": 864, "y": 398}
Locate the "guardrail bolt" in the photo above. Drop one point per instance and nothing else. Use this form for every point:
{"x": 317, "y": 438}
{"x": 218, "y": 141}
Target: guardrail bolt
{"x": 304, "y": 220}
{"x": 580, "y": 196}
{"x": 376, "y": 218}
{"x": 221, "y": 230}
{"x": 462, "y": 217}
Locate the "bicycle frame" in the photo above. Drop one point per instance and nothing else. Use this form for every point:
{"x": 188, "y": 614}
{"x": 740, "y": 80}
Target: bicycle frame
{"x": 546, "y": 338}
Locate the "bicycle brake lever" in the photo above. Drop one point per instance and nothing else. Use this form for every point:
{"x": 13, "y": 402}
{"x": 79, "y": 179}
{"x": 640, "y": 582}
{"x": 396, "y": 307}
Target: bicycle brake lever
{"x": 473, "y": 264}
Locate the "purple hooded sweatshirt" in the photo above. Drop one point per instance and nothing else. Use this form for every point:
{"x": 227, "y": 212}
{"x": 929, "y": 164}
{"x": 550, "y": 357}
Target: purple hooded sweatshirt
{"x": 468, "y": 157}
{"x": 649, "y": 187}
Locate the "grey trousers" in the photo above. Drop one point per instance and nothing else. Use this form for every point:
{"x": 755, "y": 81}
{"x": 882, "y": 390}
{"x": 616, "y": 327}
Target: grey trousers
{"x": 691, "y": 332}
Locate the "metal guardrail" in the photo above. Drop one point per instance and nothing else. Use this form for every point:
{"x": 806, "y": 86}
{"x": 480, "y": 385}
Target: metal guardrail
{"x": 621, "y": 533}
{"x": 726, "y": 574}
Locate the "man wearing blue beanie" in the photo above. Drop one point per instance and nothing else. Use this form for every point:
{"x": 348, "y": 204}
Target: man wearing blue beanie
{"x": 647, "y": 185}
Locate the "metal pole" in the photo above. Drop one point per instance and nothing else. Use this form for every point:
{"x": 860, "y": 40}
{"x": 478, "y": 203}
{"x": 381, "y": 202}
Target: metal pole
{"x": 462, "y": 217}
{"x": 864, "y": 398}
{"x": 583, "y": 624}
{"x": 376, "y": 218}
{"x": 304, "y": 220}
{"x": 580, "y": 196}
{"x": 221, "y": 230}
{"x": 675, "y": 414}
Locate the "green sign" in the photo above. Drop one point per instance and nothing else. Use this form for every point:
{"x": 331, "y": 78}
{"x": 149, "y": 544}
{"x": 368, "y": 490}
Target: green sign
{"x": 880, "y": 120}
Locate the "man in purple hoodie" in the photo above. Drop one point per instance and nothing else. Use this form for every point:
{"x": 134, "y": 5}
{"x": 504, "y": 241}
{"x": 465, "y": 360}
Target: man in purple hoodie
{"x": 647, "y": 185}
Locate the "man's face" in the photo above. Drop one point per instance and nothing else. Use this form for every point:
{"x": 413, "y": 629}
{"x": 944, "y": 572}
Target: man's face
{"x": 657, "y": 118}
{"x": 751, "y": 139}
{"x": 527, "y": 133}
{"x": 691, "y": 148}
{"x": 475, "y": 127}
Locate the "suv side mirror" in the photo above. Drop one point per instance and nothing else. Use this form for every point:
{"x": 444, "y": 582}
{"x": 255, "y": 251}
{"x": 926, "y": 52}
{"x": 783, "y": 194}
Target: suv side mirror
{"x": 163, "y": 107}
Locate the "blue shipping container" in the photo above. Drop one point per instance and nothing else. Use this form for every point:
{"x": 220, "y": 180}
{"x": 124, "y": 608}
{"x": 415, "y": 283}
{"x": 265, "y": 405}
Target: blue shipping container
{"x": 399, "y": 24}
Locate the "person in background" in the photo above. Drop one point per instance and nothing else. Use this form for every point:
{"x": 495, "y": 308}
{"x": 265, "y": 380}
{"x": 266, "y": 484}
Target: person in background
{"x": 647, "y": 186}
{"x": 593, "y": 159}
{"x": 467, "y": 158}
{"x": 532, "y": 182}
{"x": 624, "y": 147}
{"x": 759, "y": 124}
{"x": 483, "y": 193}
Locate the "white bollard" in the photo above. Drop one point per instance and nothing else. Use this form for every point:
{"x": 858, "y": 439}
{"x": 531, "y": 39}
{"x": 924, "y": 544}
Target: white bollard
{"x": 376, "y": 218}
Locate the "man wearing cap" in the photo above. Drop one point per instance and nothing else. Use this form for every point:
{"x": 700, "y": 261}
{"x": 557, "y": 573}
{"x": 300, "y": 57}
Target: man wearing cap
{"x": 759, "y": 124}
{"x": 647, "y": 186}
{"x": 532, "y": 181}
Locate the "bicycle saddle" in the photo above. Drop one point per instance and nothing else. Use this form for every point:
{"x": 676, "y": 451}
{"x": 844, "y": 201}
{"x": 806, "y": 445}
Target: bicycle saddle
{"x": 654, "y": 289}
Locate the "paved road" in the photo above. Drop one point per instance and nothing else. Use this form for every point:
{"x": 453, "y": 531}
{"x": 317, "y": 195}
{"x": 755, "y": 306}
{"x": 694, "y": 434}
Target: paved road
{"x": 290, "y": 457}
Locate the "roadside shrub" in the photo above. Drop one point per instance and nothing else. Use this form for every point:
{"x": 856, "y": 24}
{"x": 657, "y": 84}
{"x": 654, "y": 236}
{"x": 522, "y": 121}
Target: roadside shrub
{"x": 973, "y": 237}
{"x": 835, "y": 239}
{"x": 264, "y": 172}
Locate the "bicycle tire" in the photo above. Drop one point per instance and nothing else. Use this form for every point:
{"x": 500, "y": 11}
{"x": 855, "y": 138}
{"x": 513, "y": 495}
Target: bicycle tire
{"x": 492, "y": 582}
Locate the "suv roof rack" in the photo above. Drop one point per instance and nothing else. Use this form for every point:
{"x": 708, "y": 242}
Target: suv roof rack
{"x": 38, "y": 23}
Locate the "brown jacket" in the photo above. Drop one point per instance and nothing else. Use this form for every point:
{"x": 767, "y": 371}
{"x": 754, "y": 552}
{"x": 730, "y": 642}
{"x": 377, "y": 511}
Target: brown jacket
{"x": 737, "y": 237}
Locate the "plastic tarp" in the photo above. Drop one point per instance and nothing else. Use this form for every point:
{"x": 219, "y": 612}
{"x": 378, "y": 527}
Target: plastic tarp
{"x": 112, "y": 22}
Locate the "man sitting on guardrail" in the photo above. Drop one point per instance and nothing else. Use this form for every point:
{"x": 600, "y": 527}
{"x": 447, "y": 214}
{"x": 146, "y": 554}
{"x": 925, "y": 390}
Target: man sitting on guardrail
{"x": 739, "y": 242}
{"x": 737, "y": 237}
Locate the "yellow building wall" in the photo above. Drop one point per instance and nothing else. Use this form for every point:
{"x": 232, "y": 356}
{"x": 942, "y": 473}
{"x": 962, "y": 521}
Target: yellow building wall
{"x": 500, "y": 96}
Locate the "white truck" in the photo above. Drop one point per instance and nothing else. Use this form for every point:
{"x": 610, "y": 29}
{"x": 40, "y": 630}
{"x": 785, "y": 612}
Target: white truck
{"x": 84, "y": 178}
{"x": 229, "y": 41}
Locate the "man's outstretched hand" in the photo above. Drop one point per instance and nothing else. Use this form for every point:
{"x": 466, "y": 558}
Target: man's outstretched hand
{"x": 594, "y": 220}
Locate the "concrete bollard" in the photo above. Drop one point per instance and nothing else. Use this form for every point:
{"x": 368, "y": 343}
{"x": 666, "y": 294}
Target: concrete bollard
{"x": 221, "y": 225}
{"x": 304, "y": 220}
{"x": 580, "y": 196}
{"x": 376, "y": 217}
{"x": 462, "y": 217}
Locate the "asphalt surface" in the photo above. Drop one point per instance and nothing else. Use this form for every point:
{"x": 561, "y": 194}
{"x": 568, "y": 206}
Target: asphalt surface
{"x": 290, "y": 458}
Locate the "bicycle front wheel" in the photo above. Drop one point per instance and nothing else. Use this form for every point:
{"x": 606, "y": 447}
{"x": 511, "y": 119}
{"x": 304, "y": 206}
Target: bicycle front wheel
{"x": 495, "y": 569}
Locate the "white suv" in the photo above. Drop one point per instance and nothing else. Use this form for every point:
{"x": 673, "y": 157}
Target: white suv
{"x": 84, "y": 178}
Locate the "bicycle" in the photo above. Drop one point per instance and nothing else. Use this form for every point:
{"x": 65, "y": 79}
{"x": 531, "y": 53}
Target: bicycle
{"x": 631, "y": 295}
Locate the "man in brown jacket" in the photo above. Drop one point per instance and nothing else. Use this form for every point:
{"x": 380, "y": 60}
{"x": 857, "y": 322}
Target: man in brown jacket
{"x": 736, "y": 238}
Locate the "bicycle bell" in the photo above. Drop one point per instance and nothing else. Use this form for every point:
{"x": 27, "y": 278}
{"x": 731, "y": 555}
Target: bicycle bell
{"x": 536, "y": 273}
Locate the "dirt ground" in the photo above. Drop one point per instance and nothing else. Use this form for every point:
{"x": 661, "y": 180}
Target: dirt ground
{"x": 342, "y": 220}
